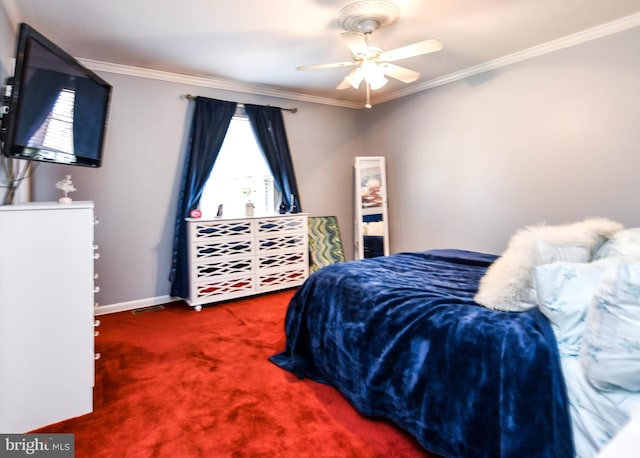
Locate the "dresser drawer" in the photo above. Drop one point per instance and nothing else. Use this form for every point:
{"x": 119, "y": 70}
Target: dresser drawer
{"x": 281, "y": 225}
{"x": 209, "y": 249}
{"x": 281, "y": 242}
{"x": 224, "y": 267}
{"x": 224, "y": 288}
{"x": 208, "y": 230}
{"x": 278, "y": 279}
{"x": 292, "y": 258}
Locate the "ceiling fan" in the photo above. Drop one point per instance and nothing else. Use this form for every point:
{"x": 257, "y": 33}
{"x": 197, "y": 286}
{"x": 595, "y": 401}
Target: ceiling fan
{"x": 371, "y": 63}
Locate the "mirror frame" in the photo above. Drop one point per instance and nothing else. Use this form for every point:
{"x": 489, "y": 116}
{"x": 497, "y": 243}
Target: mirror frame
{"x": 368, "y": 203}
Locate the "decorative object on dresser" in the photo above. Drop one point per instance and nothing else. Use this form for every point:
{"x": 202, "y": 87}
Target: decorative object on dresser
{"x": 294, "y": 206}
{"x": 46, "y": 313}
{"x": 231, "y": 258}
{"x": 66, "y": 186}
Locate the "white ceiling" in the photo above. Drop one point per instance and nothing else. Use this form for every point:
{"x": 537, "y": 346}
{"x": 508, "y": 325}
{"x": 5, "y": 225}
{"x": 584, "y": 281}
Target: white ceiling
{"x": 259, "y": 43}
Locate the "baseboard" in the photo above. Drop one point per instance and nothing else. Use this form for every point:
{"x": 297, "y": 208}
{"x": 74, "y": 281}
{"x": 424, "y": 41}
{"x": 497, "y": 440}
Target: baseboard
{"x": 133, "y": 305}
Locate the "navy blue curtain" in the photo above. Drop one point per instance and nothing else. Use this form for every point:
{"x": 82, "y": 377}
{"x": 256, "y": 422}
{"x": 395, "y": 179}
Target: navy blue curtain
{"x": 268, "y": 126}
{"x": 211, "y": 119}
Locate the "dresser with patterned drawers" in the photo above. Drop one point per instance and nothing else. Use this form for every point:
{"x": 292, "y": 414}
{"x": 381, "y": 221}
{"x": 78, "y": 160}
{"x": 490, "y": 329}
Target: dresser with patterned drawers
{"x": 231, "y": 258}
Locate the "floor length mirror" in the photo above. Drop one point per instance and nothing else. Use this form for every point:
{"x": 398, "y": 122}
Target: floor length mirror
{"x": 371, "y": 222}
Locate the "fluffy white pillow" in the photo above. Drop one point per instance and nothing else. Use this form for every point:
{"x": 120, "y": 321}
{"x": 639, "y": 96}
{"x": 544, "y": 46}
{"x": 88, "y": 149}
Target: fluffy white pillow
{"x": 509, "y": 283}
{"x": 610, "y": 354}
{"x": 624, "y": 244}
{"x": 605, "y": 228}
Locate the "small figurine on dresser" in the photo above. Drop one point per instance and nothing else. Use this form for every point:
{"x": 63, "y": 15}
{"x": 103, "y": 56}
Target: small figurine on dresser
{"x": 66, "y": 186}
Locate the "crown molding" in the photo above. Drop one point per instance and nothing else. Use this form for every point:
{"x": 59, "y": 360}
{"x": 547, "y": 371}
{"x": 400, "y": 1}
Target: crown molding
{"x": 594, "y": 33}
{"x": 215, "y": 83}
{"x": 585, "y": 36}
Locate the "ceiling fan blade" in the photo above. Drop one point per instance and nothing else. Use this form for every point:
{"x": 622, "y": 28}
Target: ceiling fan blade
{"x": 416, "y": 49}
{"x": 343, "y": 85}
{"x": 356, "y": 42}
{"x": 353, "y": 79}
{"x": 400, "y": 73}
{"x": 321, "y": 66}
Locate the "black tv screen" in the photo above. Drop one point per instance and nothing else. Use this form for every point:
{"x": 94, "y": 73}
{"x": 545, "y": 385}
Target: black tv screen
{"x": 56, "y": 109}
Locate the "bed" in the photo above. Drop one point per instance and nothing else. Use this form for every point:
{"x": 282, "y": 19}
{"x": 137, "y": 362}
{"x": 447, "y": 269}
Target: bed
{"x": 405, "y": 338}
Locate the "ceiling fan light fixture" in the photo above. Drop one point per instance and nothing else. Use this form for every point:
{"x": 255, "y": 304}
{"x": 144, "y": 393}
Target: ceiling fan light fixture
{"x": 377, "y": 82}
{"x": 355, "y": 78}
{"x": 373, "y": 74}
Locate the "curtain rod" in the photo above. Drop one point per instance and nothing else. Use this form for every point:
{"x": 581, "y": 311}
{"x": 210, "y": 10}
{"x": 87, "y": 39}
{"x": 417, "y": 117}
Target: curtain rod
{"x": 292, "y": 110}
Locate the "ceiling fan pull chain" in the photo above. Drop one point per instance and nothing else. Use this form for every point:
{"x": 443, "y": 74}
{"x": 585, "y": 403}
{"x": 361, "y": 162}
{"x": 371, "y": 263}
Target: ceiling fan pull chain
{"x": 368, "y": 88}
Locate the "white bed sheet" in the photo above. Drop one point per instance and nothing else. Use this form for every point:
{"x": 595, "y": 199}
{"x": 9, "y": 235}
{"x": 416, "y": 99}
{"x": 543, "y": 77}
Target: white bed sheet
{"x": 596, "y": 416}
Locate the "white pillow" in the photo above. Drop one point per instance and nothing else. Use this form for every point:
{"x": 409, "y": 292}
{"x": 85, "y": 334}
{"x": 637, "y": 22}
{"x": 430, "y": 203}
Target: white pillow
{"x": 624, "y": 244}
{"x": 610, "y": 354}
{"x": 509, "y": 283}
{"x": 564, "y": 291}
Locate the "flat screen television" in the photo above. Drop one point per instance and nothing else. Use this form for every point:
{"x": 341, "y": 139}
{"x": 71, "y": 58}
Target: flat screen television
{"x": 55, "y": 109}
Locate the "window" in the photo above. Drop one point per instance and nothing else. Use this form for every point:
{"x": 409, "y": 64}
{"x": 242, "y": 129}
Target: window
{"x": 240, "y": 175}
{"x": 56, "y": 131}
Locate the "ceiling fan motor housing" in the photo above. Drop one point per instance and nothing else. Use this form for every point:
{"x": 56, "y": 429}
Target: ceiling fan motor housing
{"x": 371, "y": 52}
{"x": 367, "y": 16}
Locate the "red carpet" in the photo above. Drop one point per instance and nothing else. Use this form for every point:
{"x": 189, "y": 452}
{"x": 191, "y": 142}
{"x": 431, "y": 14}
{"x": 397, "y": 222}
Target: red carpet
{"x": 180, "y": 383}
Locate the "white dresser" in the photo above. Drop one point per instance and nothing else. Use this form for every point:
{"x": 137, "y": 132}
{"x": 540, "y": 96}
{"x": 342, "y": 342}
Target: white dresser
{"x": 46, "y": 314}
{"x": 231, "y": 258}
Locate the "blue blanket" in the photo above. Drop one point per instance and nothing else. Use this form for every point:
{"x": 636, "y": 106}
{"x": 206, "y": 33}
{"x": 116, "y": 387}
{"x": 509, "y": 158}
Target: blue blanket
{"x": 401, "y": 338}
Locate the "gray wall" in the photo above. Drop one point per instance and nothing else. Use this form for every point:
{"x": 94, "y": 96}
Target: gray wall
{"x": 553, "y": 139}
{"x": 135, "y": 191}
